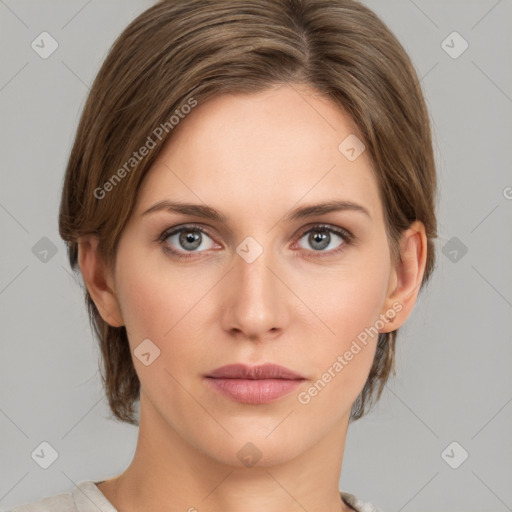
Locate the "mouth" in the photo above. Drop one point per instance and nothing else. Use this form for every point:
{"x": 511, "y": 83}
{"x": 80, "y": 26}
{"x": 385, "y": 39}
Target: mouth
{"x": 254, "y": 384}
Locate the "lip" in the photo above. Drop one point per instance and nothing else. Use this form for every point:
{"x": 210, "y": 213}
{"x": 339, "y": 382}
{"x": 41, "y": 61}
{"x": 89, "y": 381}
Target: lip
{"x": 254, "y": 384}
{"x": 259, "y": 372}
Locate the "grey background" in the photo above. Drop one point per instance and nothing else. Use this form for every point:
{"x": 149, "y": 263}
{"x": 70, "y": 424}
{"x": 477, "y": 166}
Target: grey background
{"x": 454, "y": 381}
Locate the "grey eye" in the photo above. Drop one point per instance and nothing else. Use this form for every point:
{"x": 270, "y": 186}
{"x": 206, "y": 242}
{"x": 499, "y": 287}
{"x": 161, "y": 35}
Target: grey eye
{"x": 321, "y": 238}
{"x": 189, "y": 240}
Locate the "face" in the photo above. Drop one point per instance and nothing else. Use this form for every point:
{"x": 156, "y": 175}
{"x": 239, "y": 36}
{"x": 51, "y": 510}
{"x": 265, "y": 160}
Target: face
{"x": 257, "y": 283}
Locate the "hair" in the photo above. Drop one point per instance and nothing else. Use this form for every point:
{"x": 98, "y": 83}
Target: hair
{"x": 179, "y": 52}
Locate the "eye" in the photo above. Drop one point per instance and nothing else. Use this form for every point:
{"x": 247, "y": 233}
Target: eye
{"x": 323, "y": 239}
{"x": 186, "y": 239}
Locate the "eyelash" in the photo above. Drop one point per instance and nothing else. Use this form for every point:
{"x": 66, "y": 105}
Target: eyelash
{"x": 347, "y": 236}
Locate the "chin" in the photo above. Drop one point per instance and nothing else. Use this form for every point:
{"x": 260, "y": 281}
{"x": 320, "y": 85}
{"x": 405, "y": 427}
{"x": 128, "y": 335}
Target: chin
{"x": 252, "y": 447}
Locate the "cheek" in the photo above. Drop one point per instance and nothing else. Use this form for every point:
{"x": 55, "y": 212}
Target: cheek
{"x": 161, "y": 303}
{"x": 350, "y": 303}
{"x": 351, "y": 297}
{"x": 152, "y": 303}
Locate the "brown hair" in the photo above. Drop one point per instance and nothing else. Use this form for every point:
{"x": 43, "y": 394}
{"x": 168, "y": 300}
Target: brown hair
{"x": 183, "y": 51}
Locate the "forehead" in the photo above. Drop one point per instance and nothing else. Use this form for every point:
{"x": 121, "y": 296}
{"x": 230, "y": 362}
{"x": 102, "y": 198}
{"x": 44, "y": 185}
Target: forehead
{"x": 251, "y": 151}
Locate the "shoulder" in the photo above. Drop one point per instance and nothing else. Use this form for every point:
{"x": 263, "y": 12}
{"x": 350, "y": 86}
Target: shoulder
{"x": 58, "y": 503}
{"x": 84, "y": 497}
{"x": 357, "y": 504}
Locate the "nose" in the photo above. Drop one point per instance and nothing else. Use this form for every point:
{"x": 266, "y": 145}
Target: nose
{"x": 257, "y": 301}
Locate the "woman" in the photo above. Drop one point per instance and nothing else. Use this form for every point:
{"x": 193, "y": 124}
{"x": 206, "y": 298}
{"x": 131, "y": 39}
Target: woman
{"x": 250, "y": 200}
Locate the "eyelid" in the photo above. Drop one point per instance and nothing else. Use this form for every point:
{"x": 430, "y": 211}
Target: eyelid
{"x": 182, "y": 227}
{"x": 343, "y": 232}
{"x": 201, "y": 227}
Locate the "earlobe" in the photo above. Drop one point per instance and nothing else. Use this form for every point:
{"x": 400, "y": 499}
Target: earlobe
{"x": 98, "y": 280}
{"x": 407, "y": 275}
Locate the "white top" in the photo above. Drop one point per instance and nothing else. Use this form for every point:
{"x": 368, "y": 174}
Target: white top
{"x": 86, "y": 497}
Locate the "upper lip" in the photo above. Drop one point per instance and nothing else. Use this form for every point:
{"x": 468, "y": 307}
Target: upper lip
{"x": 264, "y": 371}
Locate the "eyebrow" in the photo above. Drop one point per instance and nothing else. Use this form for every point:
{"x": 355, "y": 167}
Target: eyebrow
{"x": 207, "y": 212}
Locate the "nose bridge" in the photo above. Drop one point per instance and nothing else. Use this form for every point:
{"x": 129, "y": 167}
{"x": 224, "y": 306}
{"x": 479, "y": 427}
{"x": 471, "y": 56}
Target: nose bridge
{"x": 257, "y": 305}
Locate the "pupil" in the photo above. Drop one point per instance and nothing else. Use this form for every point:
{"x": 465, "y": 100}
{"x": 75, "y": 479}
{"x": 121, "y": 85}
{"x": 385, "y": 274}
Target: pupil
{"x": 190, "y": 240}
{"x": 321, "y": 238}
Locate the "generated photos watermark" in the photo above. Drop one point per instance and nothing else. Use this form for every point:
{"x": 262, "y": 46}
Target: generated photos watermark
{"x": 145, "y": 149}
{"x": 304, "y": 397}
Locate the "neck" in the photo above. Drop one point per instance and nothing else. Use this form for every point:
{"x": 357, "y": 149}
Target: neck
{"x": 169, "y": 474}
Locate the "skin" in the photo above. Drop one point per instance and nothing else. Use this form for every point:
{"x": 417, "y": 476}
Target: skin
{"x": 254, "y": 158}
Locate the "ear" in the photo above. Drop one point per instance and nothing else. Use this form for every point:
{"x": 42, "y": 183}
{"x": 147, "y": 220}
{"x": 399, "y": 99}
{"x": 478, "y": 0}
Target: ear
{"x": 99, "y": 281}
{"x": 406, "y": 276}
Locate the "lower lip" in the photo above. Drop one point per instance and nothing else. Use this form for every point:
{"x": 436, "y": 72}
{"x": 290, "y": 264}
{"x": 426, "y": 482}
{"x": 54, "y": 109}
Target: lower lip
{"x": 250, "y": 391}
